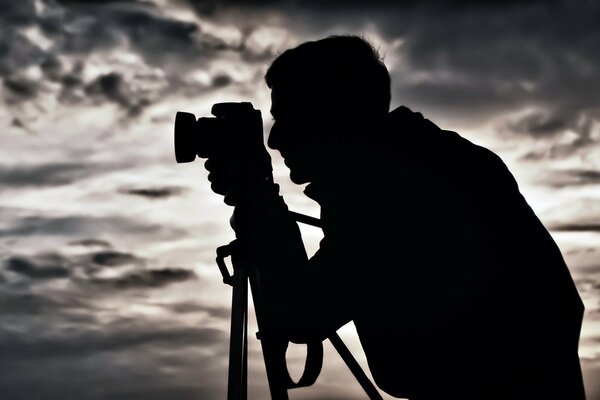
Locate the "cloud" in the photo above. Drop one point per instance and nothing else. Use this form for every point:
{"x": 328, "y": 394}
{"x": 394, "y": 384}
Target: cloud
{"x": 66, "y": 326}
{"x": 569, "y": 133}
{"x": 130, "y": 361}
{"x": 49, "y": 174}
{"x": 162, "y": 192}
{"x": 28, "y": 303}
{"x": 466, "y": 60}
{"x": 91, "y": 243}
{"x": 539, "y": 123}
{"x": 80, "y": 27}
{"x": 16, "y": 50}
{"x": 574, "y": 177}
{"x": 221, "y": 80}
{"x": 20, "y": 88}
{"x": 19, "y": 13}
{"x": 194, "y": 307}
{"x": 112, "y": 87}
{"x": 78, "y": 225}
{"x": 576, "y": 227}
{"x": 121, "y": 336}
{"x": 92, "y": 267}
{"x": 474, "y": 61}
{"x": 150, "y": 278}
{"x": 130, "y": 54}
{"x": 113, "y": 258}
{"x": 48, "y": 266}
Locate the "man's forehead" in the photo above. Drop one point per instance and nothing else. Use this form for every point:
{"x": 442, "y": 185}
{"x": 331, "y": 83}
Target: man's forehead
{"x": 283, "y": 93}
{"x": 286, "y": 97}
{"x": 306, "y": 95}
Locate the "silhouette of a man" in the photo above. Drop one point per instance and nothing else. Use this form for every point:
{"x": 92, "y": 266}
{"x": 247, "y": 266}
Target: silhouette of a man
{"x": 456, "y": 289}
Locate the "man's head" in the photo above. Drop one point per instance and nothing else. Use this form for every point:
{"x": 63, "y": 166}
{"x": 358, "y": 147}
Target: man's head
{"x": 325, "y": 94}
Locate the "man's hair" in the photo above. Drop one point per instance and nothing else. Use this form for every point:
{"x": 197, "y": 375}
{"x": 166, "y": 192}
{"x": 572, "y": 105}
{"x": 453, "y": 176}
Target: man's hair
{"x": 348, "y": 64}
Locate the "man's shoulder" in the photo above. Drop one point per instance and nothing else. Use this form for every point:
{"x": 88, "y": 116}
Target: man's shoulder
{"x": 410, "y": 137}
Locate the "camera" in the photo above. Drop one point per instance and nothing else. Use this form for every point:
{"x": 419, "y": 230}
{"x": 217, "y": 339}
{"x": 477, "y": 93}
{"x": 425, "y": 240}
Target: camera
{"x": 235, "y": 132}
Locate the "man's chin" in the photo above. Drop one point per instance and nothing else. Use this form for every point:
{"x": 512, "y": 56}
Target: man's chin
{"x": 299, "y": 179}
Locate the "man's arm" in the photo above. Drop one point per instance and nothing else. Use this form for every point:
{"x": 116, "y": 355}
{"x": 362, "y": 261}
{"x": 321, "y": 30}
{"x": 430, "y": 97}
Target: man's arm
{"x": 301, "y": 296}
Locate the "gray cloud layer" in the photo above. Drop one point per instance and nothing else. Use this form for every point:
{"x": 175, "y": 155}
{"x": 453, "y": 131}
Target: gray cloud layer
{"x": 75, "y": 30}
{"x": 72, "y": 325}
{"x": 79, "y": 225}
{"x": 71, "y": 349}
{"x": 478, "y": 60}
{"x": 51, "y": 174}
{"x": 461, "y": 59}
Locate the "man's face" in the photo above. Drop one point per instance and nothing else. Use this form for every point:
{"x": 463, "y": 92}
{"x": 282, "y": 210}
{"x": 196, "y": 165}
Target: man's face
{"x": 293, "y": 133}
{"x": 299, "y": 120}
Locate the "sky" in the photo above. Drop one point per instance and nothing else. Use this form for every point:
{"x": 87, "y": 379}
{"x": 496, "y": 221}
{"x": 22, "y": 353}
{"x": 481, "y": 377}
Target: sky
{"x": 108, "y": 286}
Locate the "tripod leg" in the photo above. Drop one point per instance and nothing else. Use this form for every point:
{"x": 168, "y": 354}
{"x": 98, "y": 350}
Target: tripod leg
{"x": 273, "y": 347}
{"x": 236, "y": 387}
{"x": 355, "y": 368}
{"x": 245, "y": 355}
{"x": 272, "y": 353}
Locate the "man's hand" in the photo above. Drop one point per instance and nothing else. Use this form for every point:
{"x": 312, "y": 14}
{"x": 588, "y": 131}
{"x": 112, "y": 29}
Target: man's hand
{"x": 239, "y": 177}
{"x": 225, "y": 178}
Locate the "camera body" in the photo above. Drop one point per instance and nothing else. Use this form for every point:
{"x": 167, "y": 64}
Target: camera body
{"x": 234, "y": 133}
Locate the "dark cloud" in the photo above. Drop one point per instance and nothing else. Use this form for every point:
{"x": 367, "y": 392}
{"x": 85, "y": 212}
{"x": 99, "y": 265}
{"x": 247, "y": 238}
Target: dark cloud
{"x": 109, "y": 85}
{"x": 113, "y": 258}
{"x": 576, "y": 227}
{"x": 162, "y": 192}
{"x": 24, "y": 304}
{"x": 76, "y": 29}
{"x": 464, "y": 60}
{"x": 50, "y": 266}
{"x": 485, "y": 60}
{"x": 591, "y": 371}
{"x": 132, "y": 359}
{"x": 574, "y": 177}
{"x": 52, "y": 68}
{"x": 550, "y": 124}
{"x": 194, "y": 307}
{"x": 94, "y": 342}
{"x": 472, "y": 61}
{"x": 18, "y": 123}
{"x": 557, "y": 151}
{"x": 221, "y": 80}
{"x": 20, "y": 88}
{"x": 78, "y": 226}
{"x": 91, "y": 243}
{"x": 544, "y": 123}
{"x": 150, "y": 278}
{"x": 113, "y": 88}
{"x": 468, "y": 61}
{"x": 189, "y": 391}
{"x": 16, "y": 50}
{"x": 575, "y": 215}
{"x": 17, "y": 12}
{"x": 50, "y": 174}
{"x": 53, "y": 265}
{"x": 84, "y": 26}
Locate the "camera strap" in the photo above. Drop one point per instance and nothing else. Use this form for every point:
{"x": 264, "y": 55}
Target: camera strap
{"x": 312, "y": 366}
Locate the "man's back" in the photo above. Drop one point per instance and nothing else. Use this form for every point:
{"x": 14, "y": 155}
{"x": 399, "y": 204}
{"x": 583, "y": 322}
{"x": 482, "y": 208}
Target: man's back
{"x": 456, "y": 289}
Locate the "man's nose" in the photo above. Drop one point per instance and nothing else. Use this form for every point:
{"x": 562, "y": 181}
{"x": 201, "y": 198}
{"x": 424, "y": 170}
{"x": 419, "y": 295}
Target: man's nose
{"x": 274, "y": 140}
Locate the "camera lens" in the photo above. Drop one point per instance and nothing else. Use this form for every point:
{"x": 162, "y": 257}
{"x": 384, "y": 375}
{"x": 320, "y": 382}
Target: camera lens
{"x": 185, "y": 145}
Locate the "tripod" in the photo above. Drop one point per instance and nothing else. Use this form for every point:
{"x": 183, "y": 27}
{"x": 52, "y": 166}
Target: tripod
{"x": 273, "y": 345}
